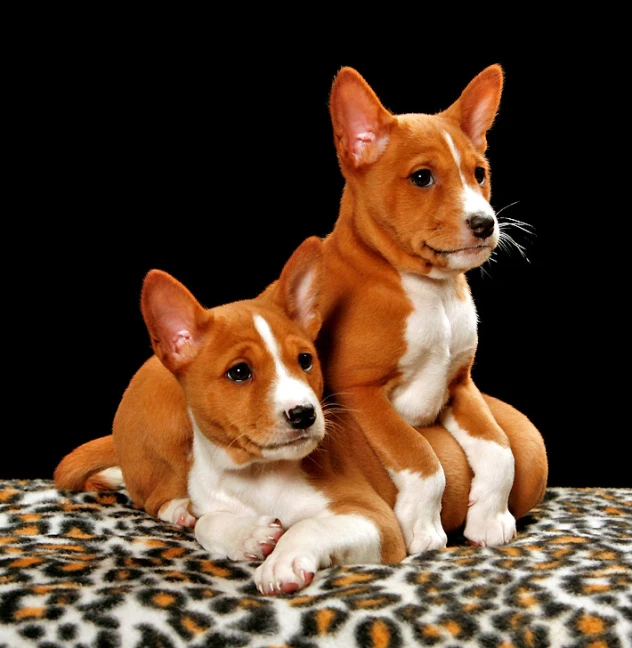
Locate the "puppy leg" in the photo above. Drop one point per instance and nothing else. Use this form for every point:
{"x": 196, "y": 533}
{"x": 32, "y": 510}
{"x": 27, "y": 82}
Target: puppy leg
{"x": 167, "y": 501}
{"x": 531, "y": 463}
{"x": 470, "y": 421}
{"x": 176, "y": 511}
{"x": 315, "y": 543}
{"x": 410, "y": 461}
{"x": 238, "y": 537}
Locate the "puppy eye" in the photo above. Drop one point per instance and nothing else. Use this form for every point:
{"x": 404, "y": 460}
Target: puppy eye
{"x": 480, "y": 175}
{"x": 239, "y": 373}
{"x": 422, "y": 178}
{"x": 305, "y": 361}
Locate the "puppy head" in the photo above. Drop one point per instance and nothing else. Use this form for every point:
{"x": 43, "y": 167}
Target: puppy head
{"x": 420, "y": 183}
{"x": 249, "y": 369}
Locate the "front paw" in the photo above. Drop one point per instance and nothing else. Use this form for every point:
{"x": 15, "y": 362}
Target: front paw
{"x": 426, "y": 537}
{"x": 238, "y": 538}
{"x": 489, "y": 527}
{"x": 418, "y": 510}
{"x": 176, "y": 511}
{"x": 284, "y": 572}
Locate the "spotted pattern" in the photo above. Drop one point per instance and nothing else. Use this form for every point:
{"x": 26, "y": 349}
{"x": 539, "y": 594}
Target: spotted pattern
{"x": 88, "y": 570}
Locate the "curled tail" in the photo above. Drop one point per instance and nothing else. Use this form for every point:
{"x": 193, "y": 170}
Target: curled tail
{"x": 82, "y": 469}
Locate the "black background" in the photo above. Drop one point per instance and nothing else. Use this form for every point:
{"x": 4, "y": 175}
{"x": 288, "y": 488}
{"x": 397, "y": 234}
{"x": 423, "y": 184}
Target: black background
{"x": 137, "y": 153}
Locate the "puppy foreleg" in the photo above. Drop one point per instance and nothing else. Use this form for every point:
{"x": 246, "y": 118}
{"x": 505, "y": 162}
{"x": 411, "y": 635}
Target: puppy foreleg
{"x": 489, "y": 521}
{"x": 176, "y": 511}
{"x": 238, "y": 537}
{"x": 316, "y": 543}
{"x": 411, "y": 463}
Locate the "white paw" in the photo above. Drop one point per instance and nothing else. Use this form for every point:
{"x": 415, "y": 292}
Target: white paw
{"x": 489, "y": 527}
{"x": 176, "y": 511}
{"x": 427, "y": 537}
{"x": 238, "y": 538}
{"x": 284, "y": 572}
{"x": 418, "y": 510}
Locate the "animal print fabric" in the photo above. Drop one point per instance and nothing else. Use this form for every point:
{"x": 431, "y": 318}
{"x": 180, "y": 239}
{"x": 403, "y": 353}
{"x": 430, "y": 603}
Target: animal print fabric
{"x": 89, "y": 571}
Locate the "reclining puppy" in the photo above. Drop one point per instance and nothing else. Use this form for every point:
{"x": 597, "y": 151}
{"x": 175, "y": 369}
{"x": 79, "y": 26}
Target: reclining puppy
{"x": 216, "y": 429}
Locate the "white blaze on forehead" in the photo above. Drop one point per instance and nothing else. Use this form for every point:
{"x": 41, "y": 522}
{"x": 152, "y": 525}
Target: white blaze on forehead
{"x": 473, "y": 202}
{"x": 288, "y": 391}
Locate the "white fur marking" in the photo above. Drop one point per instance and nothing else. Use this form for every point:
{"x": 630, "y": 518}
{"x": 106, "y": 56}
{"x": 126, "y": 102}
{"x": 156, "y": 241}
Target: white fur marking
{"x": 289, "y": 392}
{"x": 489, "y": 522}
{"x": 113, "y": 476}
{"x": 316, "y": 543}
{"x": 440, "y": 337}
{"x": 418, "y": 509}
{"x": 277, "y": 488}
{"x": 473, "y": 201}
{"x": 174, "y": 509}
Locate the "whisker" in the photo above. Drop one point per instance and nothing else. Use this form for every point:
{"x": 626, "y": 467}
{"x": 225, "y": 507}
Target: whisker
{"x": 502, "y": 209}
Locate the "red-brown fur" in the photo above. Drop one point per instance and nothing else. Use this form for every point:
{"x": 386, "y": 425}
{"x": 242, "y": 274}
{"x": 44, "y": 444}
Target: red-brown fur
{"x": 386, "y": 226}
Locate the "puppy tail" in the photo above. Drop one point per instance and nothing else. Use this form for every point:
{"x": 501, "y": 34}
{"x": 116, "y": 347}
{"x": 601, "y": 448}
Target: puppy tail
{"x": 91, "y": 466}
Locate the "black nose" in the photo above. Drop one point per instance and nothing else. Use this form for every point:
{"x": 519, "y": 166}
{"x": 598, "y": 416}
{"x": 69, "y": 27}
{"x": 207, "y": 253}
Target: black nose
{"x": 481, "y": 225}
{"x": 301, "y": 417}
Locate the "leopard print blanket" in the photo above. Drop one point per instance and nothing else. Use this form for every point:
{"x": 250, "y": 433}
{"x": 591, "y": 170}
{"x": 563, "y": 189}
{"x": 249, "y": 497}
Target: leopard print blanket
{"x": 88, "y": 570}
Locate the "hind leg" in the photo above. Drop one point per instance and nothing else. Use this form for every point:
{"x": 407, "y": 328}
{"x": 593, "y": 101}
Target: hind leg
{"x": 531, "y": 465}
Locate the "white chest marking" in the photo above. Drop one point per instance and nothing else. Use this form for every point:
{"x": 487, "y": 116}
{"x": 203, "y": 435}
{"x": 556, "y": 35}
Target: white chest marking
{"x": 278, "y": 488}
{"x": 441, "y": 336}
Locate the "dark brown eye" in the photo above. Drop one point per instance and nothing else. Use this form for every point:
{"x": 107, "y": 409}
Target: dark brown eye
{"x": 422, "y": 178}
{"x": 305, "y": 361}
{"x": 480, "y": 175}
{"x": 239, "y": 373}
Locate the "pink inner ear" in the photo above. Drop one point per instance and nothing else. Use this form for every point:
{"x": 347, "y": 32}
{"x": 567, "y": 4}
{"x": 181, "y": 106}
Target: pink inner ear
{"x": 364, "y": 136}
{"x": 360, "y": 129}
{"x": 175, "y": 330}
{"x": 479, "y": 123}
{"x": 305, "y": 298}
{"x": 181, "y": 340}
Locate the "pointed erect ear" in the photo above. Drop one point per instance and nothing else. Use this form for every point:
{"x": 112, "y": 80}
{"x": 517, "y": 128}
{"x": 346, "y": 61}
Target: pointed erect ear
{"x": 360, "y": 122}
{"x": 476, "y": 108}
{"x": 175, "y": 320}
{"x": 297, "y": 291}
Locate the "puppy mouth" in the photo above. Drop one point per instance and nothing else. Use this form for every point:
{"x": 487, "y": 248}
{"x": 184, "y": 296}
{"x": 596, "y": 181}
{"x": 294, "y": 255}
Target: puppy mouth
{"x": 470, "y": 249}
{"x": 300, "y": 439}
{"x": 292, "y": 442}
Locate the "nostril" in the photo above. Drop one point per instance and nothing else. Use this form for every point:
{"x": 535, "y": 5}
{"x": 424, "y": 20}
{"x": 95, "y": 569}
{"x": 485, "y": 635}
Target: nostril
{"x": 301, "y": 417}
{"x": 482, "y": 225}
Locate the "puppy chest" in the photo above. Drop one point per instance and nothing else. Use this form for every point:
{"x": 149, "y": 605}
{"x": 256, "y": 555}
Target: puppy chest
{"x": 279, "y": 489}
{"x": 440, "y": 337}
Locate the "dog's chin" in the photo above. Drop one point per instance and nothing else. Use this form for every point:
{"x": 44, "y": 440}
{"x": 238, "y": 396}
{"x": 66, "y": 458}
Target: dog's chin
{"x": 469, "y": 258}
{"x": 459, "y": 260}
{"x": 291, "y": 451}
{"x": 291, "y": 446}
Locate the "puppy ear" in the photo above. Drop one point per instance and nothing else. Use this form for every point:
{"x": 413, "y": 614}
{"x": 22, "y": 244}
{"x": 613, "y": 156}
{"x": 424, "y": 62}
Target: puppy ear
{"x": 297, "y": 291}
{"x": 476, "y": 108}
{"x": 360, "y": 122}
{"x": 174, "y": 318}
